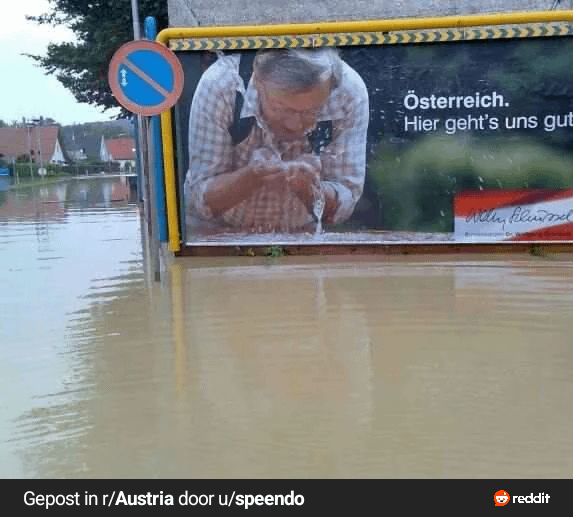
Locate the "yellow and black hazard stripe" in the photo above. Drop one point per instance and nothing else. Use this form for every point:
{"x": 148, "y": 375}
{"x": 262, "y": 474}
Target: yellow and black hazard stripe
{"x": 537, "y": 30}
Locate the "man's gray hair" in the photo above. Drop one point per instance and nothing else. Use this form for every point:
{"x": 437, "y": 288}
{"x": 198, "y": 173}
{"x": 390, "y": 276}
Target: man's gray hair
{"x": 298, "y": 69}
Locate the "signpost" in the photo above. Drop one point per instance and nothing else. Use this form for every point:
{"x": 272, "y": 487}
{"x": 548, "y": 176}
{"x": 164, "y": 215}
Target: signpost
{"x": 146, "y": 78}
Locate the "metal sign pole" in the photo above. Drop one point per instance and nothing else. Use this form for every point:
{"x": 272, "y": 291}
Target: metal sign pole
{"x": 135, "y": 18}
{"x": 140, "y": 132}
{"x": 146, "y": 78}
{"x": 150, "y": 32}
{"x": 149, "y": 196}
{"x": 154, "y": 233}
{"x": 155, "y": 151}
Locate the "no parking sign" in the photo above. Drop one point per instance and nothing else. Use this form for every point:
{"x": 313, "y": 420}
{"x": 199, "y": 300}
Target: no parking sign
{"x": 145, "y": 77}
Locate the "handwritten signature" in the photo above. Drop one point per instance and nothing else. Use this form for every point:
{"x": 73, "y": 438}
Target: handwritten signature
{"x": 519, "y": 215}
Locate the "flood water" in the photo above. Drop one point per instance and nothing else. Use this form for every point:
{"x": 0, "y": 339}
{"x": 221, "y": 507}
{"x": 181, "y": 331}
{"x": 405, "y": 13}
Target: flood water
{"x": 246, "y": 367}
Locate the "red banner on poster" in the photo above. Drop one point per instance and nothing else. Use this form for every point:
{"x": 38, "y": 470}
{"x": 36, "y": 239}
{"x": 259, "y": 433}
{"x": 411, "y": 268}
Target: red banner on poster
{"x": 514, "y": 215}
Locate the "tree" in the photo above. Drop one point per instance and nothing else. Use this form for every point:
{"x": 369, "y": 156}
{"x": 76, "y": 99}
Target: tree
{"x": 100, "y": 27}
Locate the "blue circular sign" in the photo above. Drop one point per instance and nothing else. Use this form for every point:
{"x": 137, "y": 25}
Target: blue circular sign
{"x": 145, "y": 77}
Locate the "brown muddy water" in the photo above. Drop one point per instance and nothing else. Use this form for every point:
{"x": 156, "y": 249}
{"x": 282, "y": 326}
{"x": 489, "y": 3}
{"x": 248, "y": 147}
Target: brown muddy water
{"x": 324, "y": 367}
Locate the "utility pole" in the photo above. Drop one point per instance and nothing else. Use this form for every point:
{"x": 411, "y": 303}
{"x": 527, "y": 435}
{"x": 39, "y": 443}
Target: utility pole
{"x": 38, "y": 126}
{"x": 27, "y": 126}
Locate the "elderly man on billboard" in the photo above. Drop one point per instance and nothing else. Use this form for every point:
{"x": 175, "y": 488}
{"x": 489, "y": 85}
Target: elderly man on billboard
{"x": 277, "y": 141}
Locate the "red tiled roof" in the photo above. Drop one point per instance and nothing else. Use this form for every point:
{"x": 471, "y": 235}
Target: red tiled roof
{"x": 16, "y": 141}
{"x": 121, "y": 148}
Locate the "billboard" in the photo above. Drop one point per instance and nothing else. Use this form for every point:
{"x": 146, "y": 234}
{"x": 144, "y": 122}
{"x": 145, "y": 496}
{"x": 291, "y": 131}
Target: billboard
{"x": 429, "y": 136}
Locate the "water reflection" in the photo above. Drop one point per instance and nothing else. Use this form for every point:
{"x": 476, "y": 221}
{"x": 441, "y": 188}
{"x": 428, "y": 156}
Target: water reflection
{"x": 52, "y": 253}
{"x": 282, "y": 363}
{"x": 288, "y": 367}
{"x": 369, "y": 370}
{"x": 51, "y": 200}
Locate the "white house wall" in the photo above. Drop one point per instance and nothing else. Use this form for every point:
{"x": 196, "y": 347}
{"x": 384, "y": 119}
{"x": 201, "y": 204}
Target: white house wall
{"x": 58, "y": 155}
{"x": 103, "y": 151}
{"x": 183, "y": 13}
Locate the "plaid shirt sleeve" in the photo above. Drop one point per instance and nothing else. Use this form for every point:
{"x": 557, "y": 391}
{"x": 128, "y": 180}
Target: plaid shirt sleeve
{"x": 344, "y": 160}
{"x": 211, "y": 150}
{"x": 210, "y": 144}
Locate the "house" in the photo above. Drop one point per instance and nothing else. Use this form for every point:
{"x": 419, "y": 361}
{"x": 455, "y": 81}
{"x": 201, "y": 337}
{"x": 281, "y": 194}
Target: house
{"x": 39, "y": 144}
{"x": 83, "y": 142}
{"x": 80, "y": 145}
{"x": 119, "y": 150}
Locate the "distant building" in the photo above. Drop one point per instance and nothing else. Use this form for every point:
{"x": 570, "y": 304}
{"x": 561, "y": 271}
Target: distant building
{"x": 119, "y": 150}
{"x": 87, "y": 142}
{"x": 80, "y": 145}
{"x": 38, "y": 144}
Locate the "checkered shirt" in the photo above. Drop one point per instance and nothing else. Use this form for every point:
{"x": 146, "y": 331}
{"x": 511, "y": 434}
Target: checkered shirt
{"x": 211, "y": 150}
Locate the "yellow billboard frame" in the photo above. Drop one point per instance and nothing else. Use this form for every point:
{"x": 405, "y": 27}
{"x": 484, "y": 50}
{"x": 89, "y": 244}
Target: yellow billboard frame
{"x": 320, "y": 28}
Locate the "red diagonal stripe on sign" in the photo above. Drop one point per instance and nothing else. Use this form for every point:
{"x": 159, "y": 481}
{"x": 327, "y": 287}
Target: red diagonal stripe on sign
{"x": 561, "y": 232}
{"x": 468, "y": 202}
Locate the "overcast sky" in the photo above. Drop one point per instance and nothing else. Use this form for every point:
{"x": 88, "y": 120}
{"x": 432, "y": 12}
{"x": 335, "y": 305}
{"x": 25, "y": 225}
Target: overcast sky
{"x": 24, "y": 89}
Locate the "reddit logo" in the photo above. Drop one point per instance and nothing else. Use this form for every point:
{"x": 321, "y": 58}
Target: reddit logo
{"x": 501, "y": 498}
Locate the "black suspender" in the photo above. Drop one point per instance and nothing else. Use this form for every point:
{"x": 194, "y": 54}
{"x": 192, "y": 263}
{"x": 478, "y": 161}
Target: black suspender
{"x": 240, "y": 128}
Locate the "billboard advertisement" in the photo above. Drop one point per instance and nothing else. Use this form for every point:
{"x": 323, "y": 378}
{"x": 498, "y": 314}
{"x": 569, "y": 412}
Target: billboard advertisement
{"x": 430, "y": 136}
